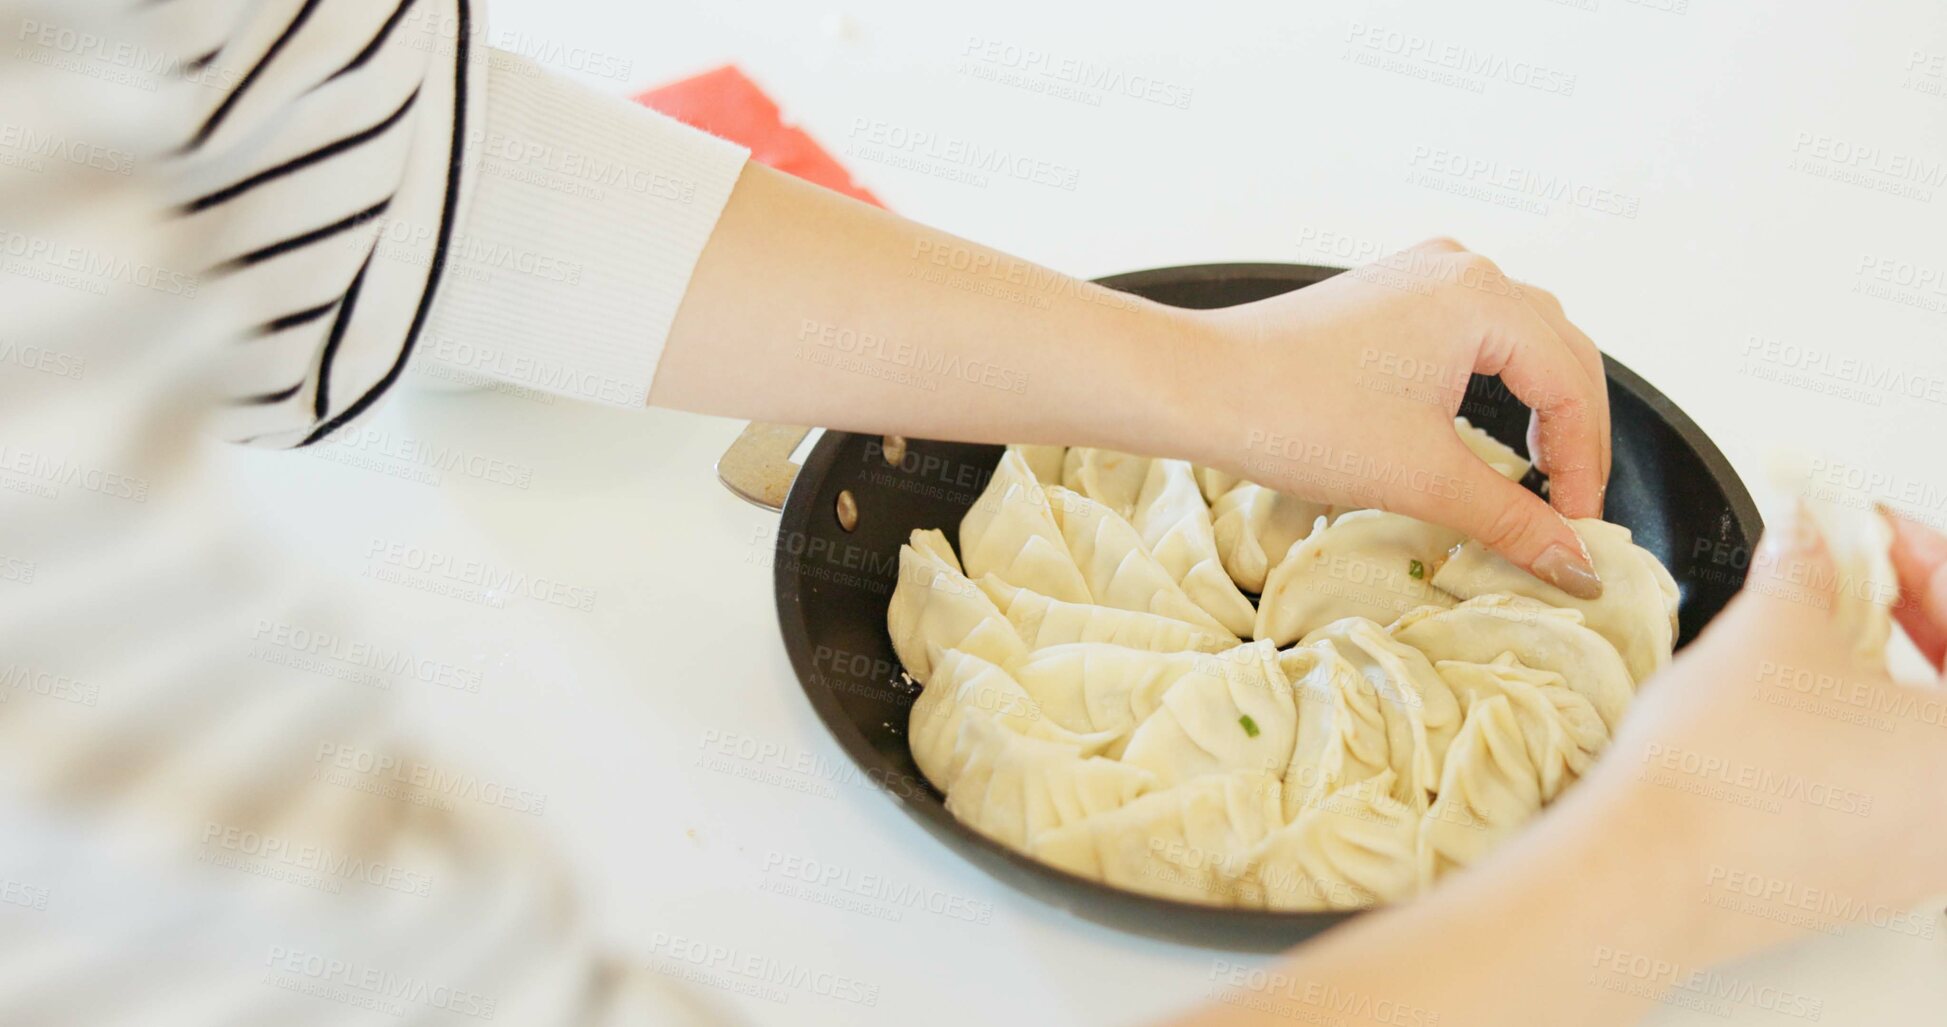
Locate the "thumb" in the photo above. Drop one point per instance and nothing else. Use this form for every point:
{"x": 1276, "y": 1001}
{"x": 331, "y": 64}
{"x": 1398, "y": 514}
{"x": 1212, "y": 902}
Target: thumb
{"x": 1510, "y": 520}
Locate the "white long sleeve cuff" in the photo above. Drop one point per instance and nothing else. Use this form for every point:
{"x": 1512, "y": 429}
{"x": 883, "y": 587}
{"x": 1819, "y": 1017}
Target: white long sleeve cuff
{"x": 585, "y": 216}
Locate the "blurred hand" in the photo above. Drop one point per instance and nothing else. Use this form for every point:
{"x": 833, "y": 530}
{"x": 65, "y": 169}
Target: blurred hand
{"x": 1364, "y": 373}
{"x": 1767, "y": 752}
{"x": 1722, "y": 786}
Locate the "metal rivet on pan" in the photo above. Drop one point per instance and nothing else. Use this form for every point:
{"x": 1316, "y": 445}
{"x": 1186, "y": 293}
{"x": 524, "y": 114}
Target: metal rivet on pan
{"x": 895, "y": 449}
{"x": 848, "y": 510}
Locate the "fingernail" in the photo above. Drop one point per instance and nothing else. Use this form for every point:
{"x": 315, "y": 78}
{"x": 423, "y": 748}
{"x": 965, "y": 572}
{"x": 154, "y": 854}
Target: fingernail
{"x": 1569, "y": 571}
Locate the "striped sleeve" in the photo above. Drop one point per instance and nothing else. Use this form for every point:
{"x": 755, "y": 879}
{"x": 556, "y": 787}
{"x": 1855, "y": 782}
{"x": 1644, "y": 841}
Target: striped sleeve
{"x": 374, "y": 185}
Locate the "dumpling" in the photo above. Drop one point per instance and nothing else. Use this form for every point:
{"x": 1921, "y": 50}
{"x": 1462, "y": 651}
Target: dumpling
{"x": 1342, "y": 733}
{"x": 1101, "y": 690}
{"x": 1354, "y": 849}
{"x": 1109, "y": 692}
{"x": 1234, "y": 711}
{"x": 1542, "y": 637}
{"x": 1422, "y": 715}
{"x": 1116, "y": 570}
{"x": 1044, "y": 461}
{"x": 1562, "y": 731}
{"x": 1110, "y": 478}
{"x": 1010, "y": 532}
{"x": 935, "y": 607}
{"x": 1860, "y": 545}
{"x": 1255, "y": 527}
{"x": 965, "y": 688}
{"x": 1638, "y": 609}
{"x": 1013, "y": 788}
{"x": 1368, "y": 563}
{"x": 1488, "y": 791}
{"x": 1191, "y": 842}
{"x": 1214, "y": 483}
{"x": 1174, "y": 525}
{"x": 1497, "y": 454}
{"x": 1041, "y": 622}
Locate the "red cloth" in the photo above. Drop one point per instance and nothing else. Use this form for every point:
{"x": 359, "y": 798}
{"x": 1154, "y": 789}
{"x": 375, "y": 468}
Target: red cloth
{"x": 728, "y": 104}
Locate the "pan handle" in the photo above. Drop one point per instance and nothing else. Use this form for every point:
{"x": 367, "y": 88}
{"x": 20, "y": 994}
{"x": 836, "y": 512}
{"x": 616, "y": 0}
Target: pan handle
{"x": 757, "y": 468}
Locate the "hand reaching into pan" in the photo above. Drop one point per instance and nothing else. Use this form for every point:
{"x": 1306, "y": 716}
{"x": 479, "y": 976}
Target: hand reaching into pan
{"x": 1380, "y": 359}
{"x": 1343, "y": 392}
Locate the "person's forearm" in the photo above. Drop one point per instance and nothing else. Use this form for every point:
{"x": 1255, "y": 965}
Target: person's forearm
{"x": 1587, "y": 918}
{"x": 810, "y": 308}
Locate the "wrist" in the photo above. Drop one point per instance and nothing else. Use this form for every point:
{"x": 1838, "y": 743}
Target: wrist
{"x": 1640, "y": 855}
{"x": 1187, "y": 365}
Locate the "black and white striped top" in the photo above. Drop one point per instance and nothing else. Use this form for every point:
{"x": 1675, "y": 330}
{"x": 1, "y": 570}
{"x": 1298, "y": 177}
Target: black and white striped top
{"x": 286, "y": 203}
{"x": 374, "y": 185}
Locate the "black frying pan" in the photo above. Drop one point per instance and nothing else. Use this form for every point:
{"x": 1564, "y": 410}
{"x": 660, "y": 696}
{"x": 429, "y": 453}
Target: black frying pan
{"x": 858, "y": 497}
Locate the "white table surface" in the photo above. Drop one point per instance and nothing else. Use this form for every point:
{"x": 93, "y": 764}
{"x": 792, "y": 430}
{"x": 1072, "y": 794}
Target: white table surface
{"x": 1305, "y": 132}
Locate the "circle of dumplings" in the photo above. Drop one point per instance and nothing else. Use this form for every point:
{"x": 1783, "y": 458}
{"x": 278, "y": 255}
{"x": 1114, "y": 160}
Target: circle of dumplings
{"x": 1102, "y": 691}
